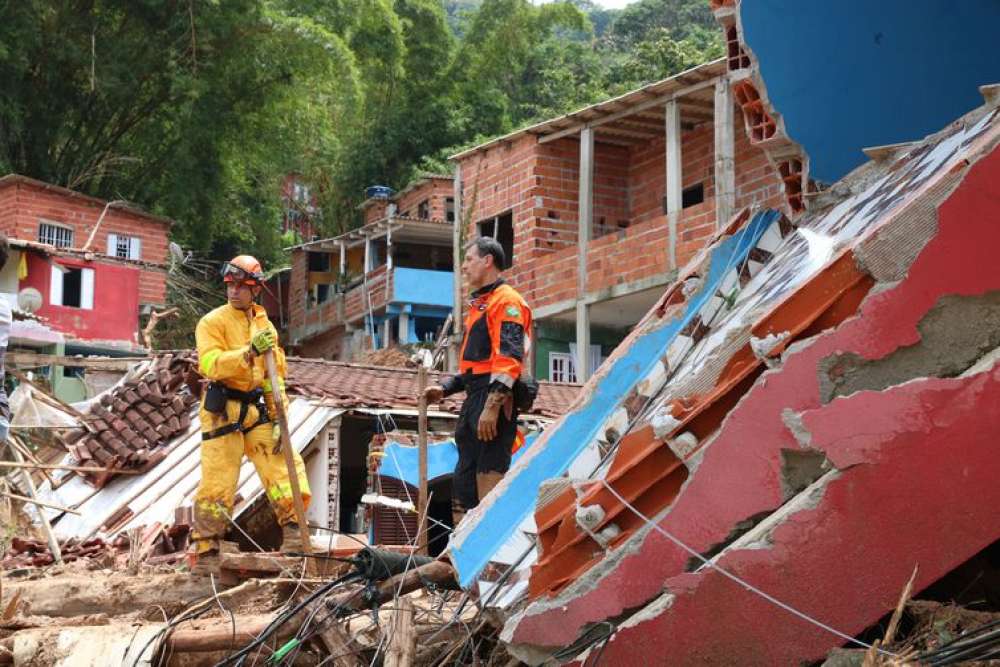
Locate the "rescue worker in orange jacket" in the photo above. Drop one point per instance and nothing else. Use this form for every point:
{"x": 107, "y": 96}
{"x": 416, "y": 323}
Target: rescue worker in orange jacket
{"x": 494, "y": 350}
{"x": 237, "y": 412}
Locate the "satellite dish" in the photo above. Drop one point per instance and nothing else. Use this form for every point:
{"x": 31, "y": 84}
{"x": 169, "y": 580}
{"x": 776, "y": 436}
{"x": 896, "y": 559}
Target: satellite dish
{"x": 177, "y": 253}
{"x": 29, "y": 299}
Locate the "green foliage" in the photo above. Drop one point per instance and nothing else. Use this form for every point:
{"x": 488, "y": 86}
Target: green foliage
{"x": 198, "y": 110}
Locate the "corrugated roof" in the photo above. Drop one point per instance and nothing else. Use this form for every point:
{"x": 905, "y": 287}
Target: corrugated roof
{"x": 132, "y": 501}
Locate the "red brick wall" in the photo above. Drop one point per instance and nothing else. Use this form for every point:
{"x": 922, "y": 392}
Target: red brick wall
{"x": 24, "y": 205}
{"x": 539, "y": 183}
{"x": 375, "y": 210}
{"x": 434, "y": 190}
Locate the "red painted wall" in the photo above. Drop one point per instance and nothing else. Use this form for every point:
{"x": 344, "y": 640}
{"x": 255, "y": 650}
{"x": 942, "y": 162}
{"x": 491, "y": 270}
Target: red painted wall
{"x": 23, "y": 204}
{"x": 115, "y": 316}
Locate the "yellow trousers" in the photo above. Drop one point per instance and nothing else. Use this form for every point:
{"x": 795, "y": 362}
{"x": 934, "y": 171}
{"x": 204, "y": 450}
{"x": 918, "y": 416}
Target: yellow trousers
{"x": 220, "y": 468}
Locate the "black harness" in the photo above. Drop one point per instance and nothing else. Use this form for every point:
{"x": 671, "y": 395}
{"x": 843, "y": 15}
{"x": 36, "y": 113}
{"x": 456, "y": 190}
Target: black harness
{"x": 246, "y": 399}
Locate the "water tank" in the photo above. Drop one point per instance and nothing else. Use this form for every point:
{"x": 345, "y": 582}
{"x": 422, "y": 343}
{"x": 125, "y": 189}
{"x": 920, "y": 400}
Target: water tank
{"x": 378, "y": 192}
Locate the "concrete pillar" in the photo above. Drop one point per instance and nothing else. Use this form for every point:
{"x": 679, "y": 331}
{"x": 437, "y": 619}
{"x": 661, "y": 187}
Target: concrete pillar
{"x": 388, "y": 248}
{"x": 343, "y": 258}
{"x": 725, "y": 153}
{"x": 403, "y": 332}
{"x": 457, "y": 238}
{"x": 672, "y": 130}
{"x": 368, "y": 254}
{"x": 386, "y": 332}
{"x": 585, "y": 219}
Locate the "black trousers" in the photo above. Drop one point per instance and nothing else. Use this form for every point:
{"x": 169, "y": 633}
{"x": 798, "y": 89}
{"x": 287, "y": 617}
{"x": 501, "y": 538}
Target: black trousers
{"x": 475, "y": 455}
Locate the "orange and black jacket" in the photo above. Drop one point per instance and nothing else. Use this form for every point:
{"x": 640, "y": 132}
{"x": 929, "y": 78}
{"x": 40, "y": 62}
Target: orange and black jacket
{"x": 497, "y": 329}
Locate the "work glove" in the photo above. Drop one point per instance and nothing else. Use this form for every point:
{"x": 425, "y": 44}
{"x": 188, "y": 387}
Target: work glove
{"x": 495, "y": 400}
{"x": 276, "y": 435}
{"x": 434, "y": 394}
{"x": 263, "y": 341}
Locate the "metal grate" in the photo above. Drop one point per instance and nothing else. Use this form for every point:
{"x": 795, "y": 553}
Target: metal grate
{"x": 392, "y": 526}
{"x": 56, "y": 235}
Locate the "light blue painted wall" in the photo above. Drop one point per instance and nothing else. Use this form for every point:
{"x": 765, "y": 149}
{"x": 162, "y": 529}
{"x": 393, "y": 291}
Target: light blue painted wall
{"x": 422, "y": 286}
{"x": 850, "y": 74}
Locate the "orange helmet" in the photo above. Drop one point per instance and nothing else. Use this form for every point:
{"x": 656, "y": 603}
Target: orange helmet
{"x": 243, "y": 269}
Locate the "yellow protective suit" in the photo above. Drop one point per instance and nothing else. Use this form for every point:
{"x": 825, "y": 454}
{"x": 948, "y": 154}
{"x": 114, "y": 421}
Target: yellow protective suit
{"x": 224, "y": 355}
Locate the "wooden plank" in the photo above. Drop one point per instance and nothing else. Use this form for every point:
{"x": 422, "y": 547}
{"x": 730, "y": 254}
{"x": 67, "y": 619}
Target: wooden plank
{"x": 402, "y": 637}
{"x": 37, "y": 360}
{"x": 422, "y": 460}
{"x": 334, "y": 638}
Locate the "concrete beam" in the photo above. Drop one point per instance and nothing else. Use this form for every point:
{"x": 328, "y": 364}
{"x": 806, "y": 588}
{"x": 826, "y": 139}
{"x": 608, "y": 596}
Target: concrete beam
{"x": 725, "y": 153}
{"x": 672, "y": 131}
{"x": 660, "y": 279}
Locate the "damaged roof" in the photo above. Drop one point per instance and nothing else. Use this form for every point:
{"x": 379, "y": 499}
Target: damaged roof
{"x": 354, "y": 385}
{"x": 130, "y": 425}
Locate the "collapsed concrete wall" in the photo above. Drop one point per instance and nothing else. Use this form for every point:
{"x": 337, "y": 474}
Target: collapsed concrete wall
{"x": 908, "y": 478}
{"x": 880, "y": 292}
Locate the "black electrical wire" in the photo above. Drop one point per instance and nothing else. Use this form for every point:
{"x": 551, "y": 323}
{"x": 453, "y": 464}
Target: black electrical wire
{"x": 945, "y": 653}
{"x": 170, "y": 626}
{"x": 239, "y": 657}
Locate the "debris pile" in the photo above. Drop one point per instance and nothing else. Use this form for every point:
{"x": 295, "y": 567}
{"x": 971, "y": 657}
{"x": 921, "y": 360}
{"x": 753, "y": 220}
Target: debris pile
{"x": 24, "y": 552}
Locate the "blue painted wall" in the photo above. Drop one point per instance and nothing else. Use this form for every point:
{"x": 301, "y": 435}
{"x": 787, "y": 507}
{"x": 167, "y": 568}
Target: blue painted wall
{"x": 848, "y": 74}
{"x": 422, "y": 286}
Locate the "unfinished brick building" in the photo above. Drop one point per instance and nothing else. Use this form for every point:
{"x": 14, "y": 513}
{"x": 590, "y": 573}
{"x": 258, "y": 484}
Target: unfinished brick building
{"x": 597, "y": 209}
{"x": 387, "y": 282}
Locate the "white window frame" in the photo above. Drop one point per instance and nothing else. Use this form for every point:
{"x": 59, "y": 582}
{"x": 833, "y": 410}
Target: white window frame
{"x": 61, "y": 236}
{"x": 58, "y": 272}
{"x": 596, "y": 359}
{"x": 124, "y": 247}
{"x": 561, "y": 368}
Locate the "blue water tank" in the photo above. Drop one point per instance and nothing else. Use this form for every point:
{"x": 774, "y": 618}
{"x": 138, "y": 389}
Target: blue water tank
{"x": 378, "y": 192}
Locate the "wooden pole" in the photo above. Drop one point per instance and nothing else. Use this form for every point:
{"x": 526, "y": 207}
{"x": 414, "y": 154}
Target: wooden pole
{"x": 286, "y": 449}
{"x": 403, "y": 640}
{"x": 24, "y": 499}
{"x": 51, "y": 536}
{"x": 422, "y": 460}
{"x": 52, "y": 466}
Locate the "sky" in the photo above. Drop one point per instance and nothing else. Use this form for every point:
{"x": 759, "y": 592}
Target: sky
{"x": 613, "y": 4}
{"x": 607, "y": 4}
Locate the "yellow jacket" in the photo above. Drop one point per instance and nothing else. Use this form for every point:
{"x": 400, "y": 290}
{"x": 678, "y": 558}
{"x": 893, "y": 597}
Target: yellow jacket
{"x": 223, "y": 340}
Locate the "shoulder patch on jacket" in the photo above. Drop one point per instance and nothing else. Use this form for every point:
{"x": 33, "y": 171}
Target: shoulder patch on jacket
{"x": 512, "y": 311}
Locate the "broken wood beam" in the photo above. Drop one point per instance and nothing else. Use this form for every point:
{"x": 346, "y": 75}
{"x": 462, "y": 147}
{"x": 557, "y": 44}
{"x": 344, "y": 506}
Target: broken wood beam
{"x": 37, "y": 360}
{"x": 25, "y": 499}
{"x": 54, "y": 466}
{"x": 402, "y": 638}
{"x": 438, "y": 572}
{"x": 115, "y": 595}
{"x": 334, "y": 639}
{"x": 224, "y": 633}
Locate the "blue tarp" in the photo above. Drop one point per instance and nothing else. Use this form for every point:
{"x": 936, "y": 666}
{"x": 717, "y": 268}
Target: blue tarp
{"x": 401, "y": 461}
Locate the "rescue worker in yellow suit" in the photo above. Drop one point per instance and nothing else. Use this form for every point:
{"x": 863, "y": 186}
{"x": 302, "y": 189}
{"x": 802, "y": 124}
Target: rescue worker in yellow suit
{"x": 237, "y": 412}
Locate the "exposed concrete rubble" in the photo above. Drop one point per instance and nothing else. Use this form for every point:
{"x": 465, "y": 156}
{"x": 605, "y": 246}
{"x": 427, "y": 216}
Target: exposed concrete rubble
{"x": 860, "y": 398}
